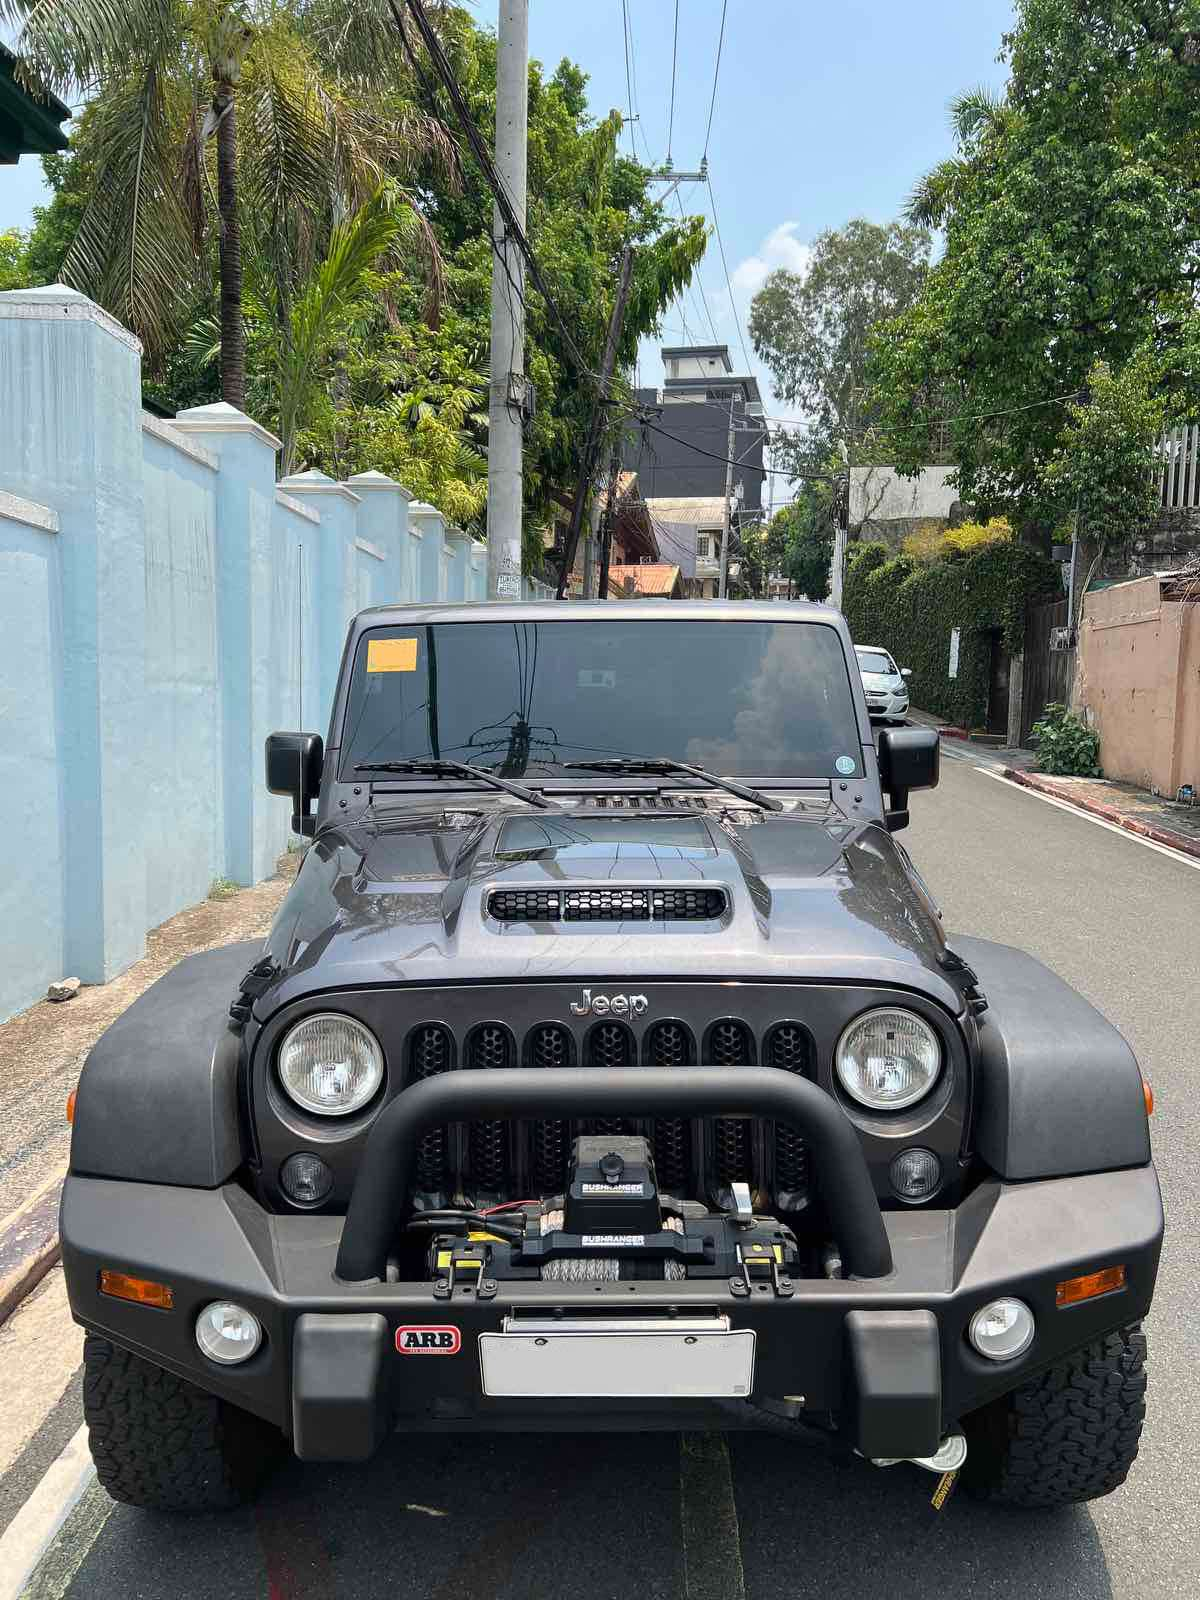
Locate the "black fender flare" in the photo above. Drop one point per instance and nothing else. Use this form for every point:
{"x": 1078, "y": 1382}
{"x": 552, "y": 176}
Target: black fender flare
{"x": 158, "y": 1097}
{"x": 1059, "y": 1090}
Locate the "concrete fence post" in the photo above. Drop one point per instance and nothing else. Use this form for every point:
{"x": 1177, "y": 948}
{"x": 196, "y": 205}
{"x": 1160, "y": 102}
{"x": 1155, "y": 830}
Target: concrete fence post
{"x": 335, "y": 575}
{"x": 71, "y": 440}
{"x": 429, "y": 572}
{"x": 245, "y": 500}
{"x": 382, "y": 532}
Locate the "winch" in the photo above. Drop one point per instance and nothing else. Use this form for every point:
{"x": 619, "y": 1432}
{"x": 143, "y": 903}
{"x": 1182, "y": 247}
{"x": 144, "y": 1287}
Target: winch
{"x": 610, "y": 1224}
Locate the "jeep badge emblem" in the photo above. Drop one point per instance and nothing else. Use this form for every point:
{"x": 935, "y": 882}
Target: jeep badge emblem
{"x": 428, "y": 1339}
{"x": 610, "y": 1005}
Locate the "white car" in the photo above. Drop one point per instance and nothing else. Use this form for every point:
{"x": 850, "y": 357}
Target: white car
{"x": 885, "y": 683}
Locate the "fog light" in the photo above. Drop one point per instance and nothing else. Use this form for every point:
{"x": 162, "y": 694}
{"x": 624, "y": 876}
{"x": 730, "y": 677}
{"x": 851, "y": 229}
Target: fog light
{"x": 228, "y": 1333}
{"x": 305, "y": 1178}
{"x": 916, "y": 1174}
{"x": 1002, "y": 1329}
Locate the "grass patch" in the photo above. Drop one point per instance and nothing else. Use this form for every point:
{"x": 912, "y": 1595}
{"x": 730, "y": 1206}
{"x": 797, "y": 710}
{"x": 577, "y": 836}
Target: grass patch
{"x": 223, "y": 889}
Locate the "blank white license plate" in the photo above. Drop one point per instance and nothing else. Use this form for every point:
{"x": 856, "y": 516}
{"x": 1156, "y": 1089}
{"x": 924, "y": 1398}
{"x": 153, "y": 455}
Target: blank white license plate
{"x": 678, "y": 1358}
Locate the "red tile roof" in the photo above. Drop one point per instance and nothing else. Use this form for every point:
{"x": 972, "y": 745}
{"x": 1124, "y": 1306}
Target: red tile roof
{"x": 650, "y": 577}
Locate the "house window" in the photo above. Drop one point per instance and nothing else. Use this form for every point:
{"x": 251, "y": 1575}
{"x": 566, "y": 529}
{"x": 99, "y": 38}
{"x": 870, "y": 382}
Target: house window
{"x": 702, "y": 546}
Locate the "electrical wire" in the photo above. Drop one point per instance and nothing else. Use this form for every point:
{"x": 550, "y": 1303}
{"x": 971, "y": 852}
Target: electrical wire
{"x": 674, "y": 60}
{"x": 716, "y": 72}
{"x": 482, "y": 155}
{"x": 728, "y": 284}
{"x": 629, "y": 78}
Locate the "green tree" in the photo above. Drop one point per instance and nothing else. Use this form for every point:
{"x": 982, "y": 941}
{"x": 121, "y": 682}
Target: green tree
{"x": 1070, "y": 212}
{"x": 812, "y": 328}
{"x": 14, "y": 260}
{"x": 169, "y": 79}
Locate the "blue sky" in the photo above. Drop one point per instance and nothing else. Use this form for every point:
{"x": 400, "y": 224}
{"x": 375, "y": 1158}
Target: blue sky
{"x": 822, "y": 113}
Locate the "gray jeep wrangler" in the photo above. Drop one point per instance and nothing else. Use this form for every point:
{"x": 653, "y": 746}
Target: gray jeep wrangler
{"x": 608, "y": 1066}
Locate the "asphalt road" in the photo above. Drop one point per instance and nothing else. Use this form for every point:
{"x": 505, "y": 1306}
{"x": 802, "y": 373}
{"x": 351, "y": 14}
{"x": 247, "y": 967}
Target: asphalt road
{"x": 695, "y": 1519}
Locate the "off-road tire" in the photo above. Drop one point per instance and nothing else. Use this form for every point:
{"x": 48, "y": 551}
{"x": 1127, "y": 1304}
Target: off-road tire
{"x": 1070, "y": 1433}
{"x": 162, "y": 1443}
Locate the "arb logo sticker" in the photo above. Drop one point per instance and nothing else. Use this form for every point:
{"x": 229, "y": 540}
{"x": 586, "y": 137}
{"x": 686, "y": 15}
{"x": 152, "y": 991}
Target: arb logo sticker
{"x": 424, "y": 1339}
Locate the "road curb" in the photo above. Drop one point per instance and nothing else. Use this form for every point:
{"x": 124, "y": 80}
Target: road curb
{"x": 1144, "y": 830}
{"x": 29, "y": 1247}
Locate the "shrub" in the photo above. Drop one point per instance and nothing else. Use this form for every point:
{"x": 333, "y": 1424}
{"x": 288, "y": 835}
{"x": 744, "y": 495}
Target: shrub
{"x": 1066, "y": 745}
{"x": 934, "y": 542}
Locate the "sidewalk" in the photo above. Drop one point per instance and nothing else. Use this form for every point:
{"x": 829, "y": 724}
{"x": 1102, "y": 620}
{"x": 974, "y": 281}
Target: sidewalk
{"x": 1122, "y": 804}
{"x": 42, "y": 1051}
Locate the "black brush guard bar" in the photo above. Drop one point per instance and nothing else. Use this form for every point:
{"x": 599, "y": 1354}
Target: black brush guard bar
{"x": 380, "y": 1199}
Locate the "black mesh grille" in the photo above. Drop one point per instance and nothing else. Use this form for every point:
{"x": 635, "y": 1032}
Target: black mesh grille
{"x": 730, "y": 1045}
{"x": 788, "y": 1048}
{"x": 607, "y": 905}
{"x": 610, "y": 1044}
{"x": 489, "y": 1046}
{"x": 520, "y": 905}
{"x": 430, "y": 1050}
{"x": 549, "y": 1046}
{"x": 669, "y": 1044}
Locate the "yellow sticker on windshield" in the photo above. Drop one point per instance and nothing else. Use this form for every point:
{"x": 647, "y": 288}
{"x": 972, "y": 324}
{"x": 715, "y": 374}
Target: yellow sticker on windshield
{"x": 391, "y": 655}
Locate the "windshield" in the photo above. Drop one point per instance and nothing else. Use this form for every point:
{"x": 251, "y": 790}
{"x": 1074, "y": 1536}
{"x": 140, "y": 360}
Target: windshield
{"x": 771, "y": 699}
{"x": 876, "y": 661}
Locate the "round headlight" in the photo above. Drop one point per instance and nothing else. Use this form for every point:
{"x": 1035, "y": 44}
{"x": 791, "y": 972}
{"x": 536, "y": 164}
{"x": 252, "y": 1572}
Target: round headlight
{"x": 888, "y": 1059}
{"x": 330, "y": 1064}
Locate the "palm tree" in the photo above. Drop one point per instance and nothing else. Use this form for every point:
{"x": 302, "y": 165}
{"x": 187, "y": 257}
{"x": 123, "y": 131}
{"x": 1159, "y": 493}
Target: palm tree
{"x": 302, "y": 139}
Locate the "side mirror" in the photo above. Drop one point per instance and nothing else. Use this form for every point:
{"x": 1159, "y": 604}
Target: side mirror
{"x": 294, "y": 765}
{"x": 906, "y": 672}
{"x": 909, "y": 758}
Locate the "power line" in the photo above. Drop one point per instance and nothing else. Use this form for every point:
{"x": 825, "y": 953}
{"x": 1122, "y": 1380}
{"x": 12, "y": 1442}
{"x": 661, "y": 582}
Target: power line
{"x": 629, "y": 78}
{"x": 674, "y": 59}
{"x": 716, "y": 71}
{"x": 703, "y": 298}
{"x": 728, "y": 284}
{"x": 776, "y": 472}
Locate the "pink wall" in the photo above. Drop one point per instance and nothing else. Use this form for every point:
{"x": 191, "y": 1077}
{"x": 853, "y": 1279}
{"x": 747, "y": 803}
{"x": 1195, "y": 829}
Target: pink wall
{"x": 1139, "y": 679}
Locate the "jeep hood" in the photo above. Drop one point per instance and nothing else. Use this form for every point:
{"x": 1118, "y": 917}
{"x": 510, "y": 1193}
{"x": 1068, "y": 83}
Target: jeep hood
{"x": 403, "y": 900}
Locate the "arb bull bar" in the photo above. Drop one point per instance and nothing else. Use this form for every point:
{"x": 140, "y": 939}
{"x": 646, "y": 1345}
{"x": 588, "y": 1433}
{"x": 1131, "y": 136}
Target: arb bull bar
{"x": 382, "y": 1186}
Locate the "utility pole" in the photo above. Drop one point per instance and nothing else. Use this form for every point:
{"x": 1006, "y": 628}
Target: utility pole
{"x": 506, "y": 390}
{"x": 610, "y": 512}
{"x": 842, "y": 527}
{"x": 723, "y": 579}
{"x": 596, "y": 430}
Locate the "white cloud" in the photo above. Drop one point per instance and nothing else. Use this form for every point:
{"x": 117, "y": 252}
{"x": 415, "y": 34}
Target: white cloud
{"x": 780, "y": 248}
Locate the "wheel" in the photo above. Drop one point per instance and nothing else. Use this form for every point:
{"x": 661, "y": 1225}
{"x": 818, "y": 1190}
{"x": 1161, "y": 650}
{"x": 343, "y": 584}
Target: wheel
{"x": 1070, "y": 1433}
{"x": 162, "y": 1443}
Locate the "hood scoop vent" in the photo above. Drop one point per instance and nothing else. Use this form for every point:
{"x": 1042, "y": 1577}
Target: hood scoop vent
{"x": 648, "y": 904}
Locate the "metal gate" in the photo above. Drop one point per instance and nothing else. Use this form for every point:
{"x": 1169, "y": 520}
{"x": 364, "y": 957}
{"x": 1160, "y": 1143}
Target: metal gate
{"x": 1047, "y": 673}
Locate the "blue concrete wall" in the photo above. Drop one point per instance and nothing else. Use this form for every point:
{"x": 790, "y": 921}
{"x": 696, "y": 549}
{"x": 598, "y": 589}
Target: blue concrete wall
{"x": 164, "y": 605}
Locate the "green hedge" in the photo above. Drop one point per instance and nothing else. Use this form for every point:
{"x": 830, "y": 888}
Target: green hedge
{"x": 911, "y": 610}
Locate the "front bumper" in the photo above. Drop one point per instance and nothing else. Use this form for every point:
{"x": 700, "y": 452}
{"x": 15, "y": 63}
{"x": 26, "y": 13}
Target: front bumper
{"x": 887, "y": 705}
{"x": 886, "y": 1356}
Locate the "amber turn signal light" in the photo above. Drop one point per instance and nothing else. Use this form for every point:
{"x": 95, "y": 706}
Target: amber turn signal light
{"x": 142, "y": 1291}
{"x": 71, "y": 1106}
{"x": 1073, "y": 1290}
{"x": 1148, "y": 1096}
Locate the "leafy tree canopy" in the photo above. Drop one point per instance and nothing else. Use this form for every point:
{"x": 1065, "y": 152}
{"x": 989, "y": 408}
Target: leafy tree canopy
{"x": 1071, "y": 215}
{"x": 812, "y": 328}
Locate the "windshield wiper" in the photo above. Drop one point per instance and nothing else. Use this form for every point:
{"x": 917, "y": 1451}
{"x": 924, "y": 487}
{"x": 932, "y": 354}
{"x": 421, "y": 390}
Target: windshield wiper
{"x": 445, "y": 769}
{"x": 657, "y": 764}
